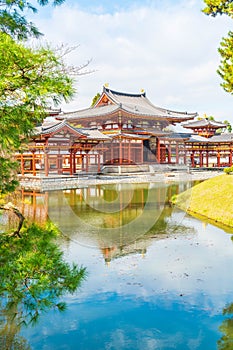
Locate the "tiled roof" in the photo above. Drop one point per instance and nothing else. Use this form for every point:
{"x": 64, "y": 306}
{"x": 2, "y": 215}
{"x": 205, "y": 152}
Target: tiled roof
{"x": 203, "y": 123}
{"x": 52, "y": 111}
{"x": 89, "y": 112}
{"x": 131, "y": 136}
{"x": 140, "y": 104}
{"x": 52, "y": 127}
{"x": 134, "y": 104}
{"x": 178, "y": 135}
{"x": 57, "y": 126}
{"x": 197, "y": 138}
{"x": 95, "y": 134}
{"x": 224, "y": 137}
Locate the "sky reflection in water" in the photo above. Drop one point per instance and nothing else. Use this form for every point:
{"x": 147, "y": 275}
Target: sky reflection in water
{"x": 164, "y": 290}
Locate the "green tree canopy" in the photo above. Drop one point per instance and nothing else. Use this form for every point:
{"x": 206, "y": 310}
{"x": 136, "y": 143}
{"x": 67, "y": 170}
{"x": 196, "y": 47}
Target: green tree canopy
{"x": 95, "y": 99}
{"x": 229, "y": 126}
{"x": 219, "y": 7}
{"x": 33, "y": 279}
{"x": 30, "y": 81}
{"x": 13, "y": 20}
{"x": 226, "y": 67}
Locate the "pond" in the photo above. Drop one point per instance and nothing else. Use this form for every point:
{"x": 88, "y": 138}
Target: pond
{"x": 157, "y": 278}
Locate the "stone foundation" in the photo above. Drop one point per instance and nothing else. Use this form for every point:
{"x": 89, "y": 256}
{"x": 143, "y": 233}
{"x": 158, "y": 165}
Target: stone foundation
{"x": 61, "y": 182}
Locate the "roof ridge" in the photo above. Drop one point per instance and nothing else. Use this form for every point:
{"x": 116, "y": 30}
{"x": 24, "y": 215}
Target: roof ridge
{"x": 105, "y": 89}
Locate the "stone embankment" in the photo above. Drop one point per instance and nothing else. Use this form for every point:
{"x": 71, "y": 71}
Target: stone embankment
{"x": 62, "y": 182}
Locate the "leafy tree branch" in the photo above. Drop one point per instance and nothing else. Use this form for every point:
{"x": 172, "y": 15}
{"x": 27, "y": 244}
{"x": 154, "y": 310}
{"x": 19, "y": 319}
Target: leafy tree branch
{"x": 13, "y": 20}
{"x": 223, "y": 7}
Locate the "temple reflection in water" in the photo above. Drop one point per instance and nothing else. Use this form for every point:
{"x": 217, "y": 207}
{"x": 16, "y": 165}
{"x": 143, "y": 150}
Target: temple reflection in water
{"x": 118, "y": 219}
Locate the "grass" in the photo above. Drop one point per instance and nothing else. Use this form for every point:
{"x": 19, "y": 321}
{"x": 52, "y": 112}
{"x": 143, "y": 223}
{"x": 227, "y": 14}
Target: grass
{"x": 212, "y": 198}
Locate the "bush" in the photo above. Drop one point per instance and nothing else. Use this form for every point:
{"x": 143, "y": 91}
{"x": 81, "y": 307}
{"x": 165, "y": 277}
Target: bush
{"x": 228, "y": 170}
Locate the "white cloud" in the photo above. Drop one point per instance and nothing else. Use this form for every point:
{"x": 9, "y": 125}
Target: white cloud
{"x": 171, "y": 52}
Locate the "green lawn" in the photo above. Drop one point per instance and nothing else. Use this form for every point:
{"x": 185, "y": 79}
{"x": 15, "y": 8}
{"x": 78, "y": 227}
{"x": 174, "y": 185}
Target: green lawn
{"x": 212, "y": 198}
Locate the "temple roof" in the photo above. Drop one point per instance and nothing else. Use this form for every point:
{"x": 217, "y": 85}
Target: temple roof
{"x": 89, "y": 112}
{"x": 54, "y": 127}
{"x": 137, "y": 105}
{"x": 130, "y": 136}
{"x": 198, "y": 139}
{"x": 178, "y": 135}
{"x": 203, "y": 123}
{"x": 94, "y": 134}
{"x": 52, "y": 111}
{"x": 225, "y": 137}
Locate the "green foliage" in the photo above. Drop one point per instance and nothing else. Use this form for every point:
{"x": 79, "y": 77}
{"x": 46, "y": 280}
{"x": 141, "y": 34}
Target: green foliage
{"x": 33, "y": 274}
{"x": 226, "y": 67}
{"x": 226, "y": 341}
{"x": 8, "y": 182}
{"x": 219, "y": 7}
{"x": 31, "y": 80}
{"x": 228, "y": 124}
{"x": 95, "y": 99}
{"x": 13, "y": 20}
{"x": 228, "y": 170}
{"x": 210, "y": 117}
{"x": 173, "y": 199}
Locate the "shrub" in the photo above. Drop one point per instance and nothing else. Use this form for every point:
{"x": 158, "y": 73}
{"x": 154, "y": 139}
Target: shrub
{"x": 228, "y": 170}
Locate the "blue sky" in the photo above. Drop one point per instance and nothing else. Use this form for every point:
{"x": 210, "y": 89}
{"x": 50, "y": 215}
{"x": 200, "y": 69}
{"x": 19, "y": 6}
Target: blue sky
{"x": 106, "y": 6}
{"x": 168, "y": 48}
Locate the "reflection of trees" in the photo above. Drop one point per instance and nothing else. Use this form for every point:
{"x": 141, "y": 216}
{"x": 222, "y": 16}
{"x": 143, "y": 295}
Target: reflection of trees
{"x": 119, "y": 219}
{"x": 33, "y": 276}
{"x": 226, "y": 341}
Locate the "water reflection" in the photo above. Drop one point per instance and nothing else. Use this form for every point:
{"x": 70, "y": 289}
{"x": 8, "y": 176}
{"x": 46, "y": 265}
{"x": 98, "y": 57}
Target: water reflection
{"x": 118, "y": 219}
{"x": 226, "y": 328}
{"x": 161, "y": 288}
{"x": 33, "y": 278}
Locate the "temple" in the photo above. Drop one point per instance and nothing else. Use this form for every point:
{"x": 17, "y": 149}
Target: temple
{"x": 123, "y": 131}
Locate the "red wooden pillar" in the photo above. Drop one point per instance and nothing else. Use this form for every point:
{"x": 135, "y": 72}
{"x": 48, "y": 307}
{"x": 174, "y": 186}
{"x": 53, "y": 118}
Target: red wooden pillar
{"x": 185, "y": 160}
{"x": 82, "y": 161}
{"x": 87, "y": 162}
{"x": 192, "y": 159}
{"x": 218, "y": 159}
{"x": 169, "y": 153}
{"x": 74, "y": 160}
{"x": 59, "y": 162}
{"x": 207, "y": 159}
{"x": 33, "y": 163}
{"x": 111, "y": 152}
{"x": 46, "y": 162}
{"x": 46, "y": 157}
{"x": 230, "y": 158}
{"x": 71, "y": 161}
{"x": 98, "y": 158}
{"x": 177, "y": 153}
{"x": 141, "y": 151}
{"x": 201, "y": 159}
{"x": 120, "y": 150}
{"x": 158, "y": 151}
{"x": 129, "y": 151}
{"x": 22, "y": 164}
